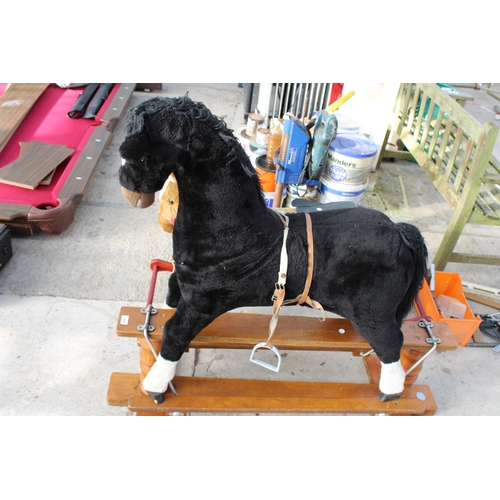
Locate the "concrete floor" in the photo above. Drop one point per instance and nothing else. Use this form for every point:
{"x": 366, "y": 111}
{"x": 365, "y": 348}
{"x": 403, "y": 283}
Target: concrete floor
{"x": 60, "y": 296}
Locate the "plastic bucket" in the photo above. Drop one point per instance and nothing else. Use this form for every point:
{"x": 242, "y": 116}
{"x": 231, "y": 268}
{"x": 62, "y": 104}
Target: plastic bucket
{"x": 350, "y": 157}
{"x": 340, "y": 191}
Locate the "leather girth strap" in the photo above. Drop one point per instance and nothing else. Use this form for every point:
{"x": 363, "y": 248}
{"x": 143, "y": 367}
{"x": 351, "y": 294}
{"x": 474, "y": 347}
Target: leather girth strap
{"x": 279, "y": 292}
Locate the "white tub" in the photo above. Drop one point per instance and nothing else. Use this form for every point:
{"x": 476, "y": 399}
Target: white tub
{"x": 340, "y": 191}
{"x": 350, "y": 158}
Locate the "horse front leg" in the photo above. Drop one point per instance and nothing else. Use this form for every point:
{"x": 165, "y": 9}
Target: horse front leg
{"x": 178, "y": 333}
{"x": 174, "y": 291}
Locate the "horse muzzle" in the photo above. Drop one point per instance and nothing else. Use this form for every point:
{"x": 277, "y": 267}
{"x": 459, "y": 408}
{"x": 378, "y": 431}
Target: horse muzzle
{"x": 141, "y": 200}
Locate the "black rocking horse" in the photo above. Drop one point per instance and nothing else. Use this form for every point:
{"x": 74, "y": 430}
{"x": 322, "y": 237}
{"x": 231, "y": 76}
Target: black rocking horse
{"x": 228, "y": 245}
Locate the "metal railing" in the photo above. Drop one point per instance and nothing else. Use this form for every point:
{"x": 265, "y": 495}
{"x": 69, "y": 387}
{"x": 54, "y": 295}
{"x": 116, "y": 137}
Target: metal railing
{"x": 300, "y": 99}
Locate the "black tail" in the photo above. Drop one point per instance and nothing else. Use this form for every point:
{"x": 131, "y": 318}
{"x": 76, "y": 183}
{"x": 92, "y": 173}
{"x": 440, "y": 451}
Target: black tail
{"x": 414, "y": 240}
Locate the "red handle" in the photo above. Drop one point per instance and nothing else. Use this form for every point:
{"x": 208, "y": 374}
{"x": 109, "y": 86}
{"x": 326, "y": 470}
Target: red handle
{"x": 162, "y": 265}
{"x": 157, "y": 265}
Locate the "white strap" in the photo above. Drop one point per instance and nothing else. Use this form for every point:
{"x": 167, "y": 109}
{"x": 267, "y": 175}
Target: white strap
{"x": 284, "y": 257}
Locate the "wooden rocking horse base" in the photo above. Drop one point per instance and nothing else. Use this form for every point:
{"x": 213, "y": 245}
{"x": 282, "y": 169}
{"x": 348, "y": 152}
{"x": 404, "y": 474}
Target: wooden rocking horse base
{"x": 218, "y": 395}
{"x": 243, "y": 331}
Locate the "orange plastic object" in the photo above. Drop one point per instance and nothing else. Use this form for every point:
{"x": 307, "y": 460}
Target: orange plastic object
{"x": 267, "y": 179}
{"x": 450, "y": 284}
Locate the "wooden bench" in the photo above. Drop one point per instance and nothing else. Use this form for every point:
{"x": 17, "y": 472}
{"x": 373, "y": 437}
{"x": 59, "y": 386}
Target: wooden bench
{"x": 243, "y": 331}
{"x": 455, "y": 151}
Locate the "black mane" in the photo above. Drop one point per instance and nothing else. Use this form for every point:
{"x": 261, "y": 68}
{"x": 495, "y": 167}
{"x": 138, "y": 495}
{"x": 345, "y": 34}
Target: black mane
{"x": 197, "y": 111}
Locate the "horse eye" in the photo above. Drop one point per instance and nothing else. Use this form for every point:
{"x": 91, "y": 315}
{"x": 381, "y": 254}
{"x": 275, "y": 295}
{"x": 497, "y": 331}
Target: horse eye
{"x": 171, "y": 201}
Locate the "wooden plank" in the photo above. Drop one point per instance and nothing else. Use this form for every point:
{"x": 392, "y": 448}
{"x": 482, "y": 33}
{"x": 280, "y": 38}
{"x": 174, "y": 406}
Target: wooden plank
{"x": 81, "y": 173}
{"x": 482, "y": 299}
{"x": 12, "y": 211}
{"x": 15, "y": 104}
{"x": 35, "y": 162}
{"x": 469, "y": 258}
{"x": 121, "y": 387}
{"x": 243, "y": 331}
{"x": 47, "y": 179}
{"x": 220, "y": 395}
{"x": 118, "y": 106}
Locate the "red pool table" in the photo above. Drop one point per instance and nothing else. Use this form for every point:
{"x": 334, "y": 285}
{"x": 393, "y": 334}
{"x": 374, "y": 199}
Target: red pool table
{"x": 50, "y": 208}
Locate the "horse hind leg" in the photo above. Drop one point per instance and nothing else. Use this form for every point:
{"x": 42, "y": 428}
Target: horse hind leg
{"x": 387, "y": 341}
{"x": 392, "y": 379}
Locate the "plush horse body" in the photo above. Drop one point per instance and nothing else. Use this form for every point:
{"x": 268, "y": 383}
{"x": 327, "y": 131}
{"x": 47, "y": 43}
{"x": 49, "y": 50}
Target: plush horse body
{"x": 227, "y": 243}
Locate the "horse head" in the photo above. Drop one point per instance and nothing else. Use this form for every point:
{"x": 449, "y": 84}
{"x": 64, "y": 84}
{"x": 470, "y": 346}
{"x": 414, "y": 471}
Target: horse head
{"x": 168, "y": 135}
{"x": 145, "y": 166}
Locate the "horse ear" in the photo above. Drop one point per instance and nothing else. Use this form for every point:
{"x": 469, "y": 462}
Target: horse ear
{"x": 134, "y": 147}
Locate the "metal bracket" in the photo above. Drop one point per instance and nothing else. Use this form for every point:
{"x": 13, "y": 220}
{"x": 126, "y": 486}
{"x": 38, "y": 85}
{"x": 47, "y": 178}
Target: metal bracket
{"x": 144, "y": 310}
{"x": 146, "y": 327}
{"x": 263, "y": 345}
{"x": 423, "y": 323}
{"x": 141, "y": 328}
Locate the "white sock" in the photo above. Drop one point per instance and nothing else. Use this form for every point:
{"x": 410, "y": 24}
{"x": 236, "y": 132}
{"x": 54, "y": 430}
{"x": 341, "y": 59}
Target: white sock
{"x": 392, "y": 378}
{"x": 161, "y": 373}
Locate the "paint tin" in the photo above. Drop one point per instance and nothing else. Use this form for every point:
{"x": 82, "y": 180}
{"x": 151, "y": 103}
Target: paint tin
{"x": 253, "y": 122}
{"x": 350, "y": 157}
{"x": 340, "y": 191}
{"x": 262, "y": 138}
{"x": 256, "y": 149}
{"x": 266, "y": 175}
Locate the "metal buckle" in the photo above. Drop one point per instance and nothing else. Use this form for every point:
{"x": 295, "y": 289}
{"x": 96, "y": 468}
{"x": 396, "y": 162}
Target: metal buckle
{"x": 263, "y": 345}
{"x": 277, "y": 288}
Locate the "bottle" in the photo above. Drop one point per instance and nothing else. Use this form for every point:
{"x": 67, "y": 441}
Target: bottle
{"x": 276, "y": 132}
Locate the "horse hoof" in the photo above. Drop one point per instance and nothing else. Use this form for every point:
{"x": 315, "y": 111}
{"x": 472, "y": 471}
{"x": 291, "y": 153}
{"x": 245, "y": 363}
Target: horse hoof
{"x": 388, "y": 397}
{"x": 157, "y": 397}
